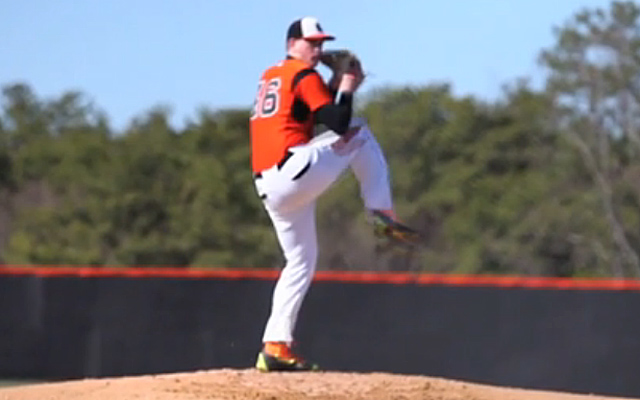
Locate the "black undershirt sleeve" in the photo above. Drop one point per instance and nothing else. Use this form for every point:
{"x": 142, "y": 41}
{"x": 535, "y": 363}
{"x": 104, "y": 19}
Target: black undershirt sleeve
{"x": 336, "y": 116}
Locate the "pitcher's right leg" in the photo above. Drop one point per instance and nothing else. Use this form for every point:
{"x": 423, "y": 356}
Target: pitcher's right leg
{"x": 296, "y": 232}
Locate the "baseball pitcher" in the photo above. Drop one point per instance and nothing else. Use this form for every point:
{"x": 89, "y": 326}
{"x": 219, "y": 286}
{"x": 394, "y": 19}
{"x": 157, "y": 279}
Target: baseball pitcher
{"x": 291, "y": 171}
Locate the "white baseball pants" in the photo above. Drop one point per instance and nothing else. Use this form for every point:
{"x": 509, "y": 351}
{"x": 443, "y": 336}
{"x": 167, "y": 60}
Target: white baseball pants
{"x": 291, "y": 193}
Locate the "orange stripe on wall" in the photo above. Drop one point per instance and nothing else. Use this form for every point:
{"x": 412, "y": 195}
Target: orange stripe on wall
{"x": 324, "y": 276}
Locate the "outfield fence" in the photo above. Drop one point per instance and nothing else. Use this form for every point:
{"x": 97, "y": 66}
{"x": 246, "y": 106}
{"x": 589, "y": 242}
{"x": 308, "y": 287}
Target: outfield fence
{"x": 575, "y": 335}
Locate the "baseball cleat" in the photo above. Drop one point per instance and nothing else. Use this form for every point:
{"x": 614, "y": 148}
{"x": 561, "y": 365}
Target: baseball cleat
{"x": 269, "y": 363}
{"x": 277, "y": 356}
{"x": 386, "y": 226}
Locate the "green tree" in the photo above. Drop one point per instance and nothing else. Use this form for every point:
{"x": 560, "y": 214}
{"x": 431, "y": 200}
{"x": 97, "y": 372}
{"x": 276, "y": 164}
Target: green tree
{"x": 594, "y": 69}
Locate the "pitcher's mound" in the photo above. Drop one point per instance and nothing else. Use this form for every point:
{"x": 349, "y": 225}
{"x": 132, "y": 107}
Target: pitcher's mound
{"x": 229, "y": 384}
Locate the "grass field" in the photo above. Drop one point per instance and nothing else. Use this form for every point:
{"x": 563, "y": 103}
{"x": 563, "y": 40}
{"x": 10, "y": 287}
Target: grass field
{"x": 15, "y": 382}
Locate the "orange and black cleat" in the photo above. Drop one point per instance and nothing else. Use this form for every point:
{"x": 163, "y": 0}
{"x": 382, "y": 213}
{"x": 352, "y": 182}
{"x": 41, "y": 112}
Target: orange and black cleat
{"x": 385, "y": 225}
{"x": 279, "y": 357}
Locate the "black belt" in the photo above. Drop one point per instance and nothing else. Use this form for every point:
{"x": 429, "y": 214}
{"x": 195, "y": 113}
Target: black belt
{"x": 280, "y": 164}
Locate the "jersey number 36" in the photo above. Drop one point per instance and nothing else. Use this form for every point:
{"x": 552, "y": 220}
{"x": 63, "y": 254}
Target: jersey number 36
{"x": 267, "y": 100}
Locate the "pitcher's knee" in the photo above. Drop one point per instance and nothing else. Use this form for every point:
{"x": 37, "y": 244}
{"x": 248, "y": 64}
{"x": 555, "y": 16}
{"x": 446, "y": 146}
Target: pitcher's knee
{"x": 357, "y": 121}
{"x": 302, "y": 261}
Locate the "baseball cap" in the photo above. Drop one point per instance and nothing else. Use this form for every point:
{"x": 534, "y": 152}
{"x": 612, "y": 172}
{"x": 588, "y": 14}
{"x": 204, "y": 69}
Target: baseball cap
{"x": 307, "y": 28}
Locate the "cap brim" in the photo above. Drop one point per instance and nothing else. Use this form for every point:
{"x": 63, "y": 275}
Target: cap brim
{"x": 319, "y": 36}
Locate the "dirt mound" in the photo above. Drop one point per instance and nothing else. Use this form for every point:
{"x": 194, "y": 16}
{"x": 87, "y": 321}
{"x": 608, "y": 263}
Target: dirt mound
{"x": 252, "y": 385}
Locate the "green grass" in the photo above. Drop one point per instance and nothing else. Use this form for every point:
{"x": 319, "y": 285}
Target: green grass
{"x": 15, "y": 382}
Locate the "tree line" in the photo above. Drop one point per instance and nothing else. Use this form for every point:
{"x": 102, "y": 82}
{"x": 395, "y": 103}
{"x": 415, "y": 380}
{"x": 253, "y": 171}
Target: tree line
{"x": 539, "y": 182}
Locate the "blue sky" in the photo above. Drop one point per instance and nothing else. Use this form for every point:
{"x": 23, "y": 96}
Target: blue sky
{"x": 130, "y": 55}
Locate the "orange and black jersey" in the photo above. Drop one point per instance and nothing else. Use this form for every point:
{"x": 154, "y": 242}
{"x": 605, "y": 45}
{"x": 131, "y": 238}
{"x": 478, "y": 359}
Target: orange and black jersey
{"x": 290, "y": 97}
